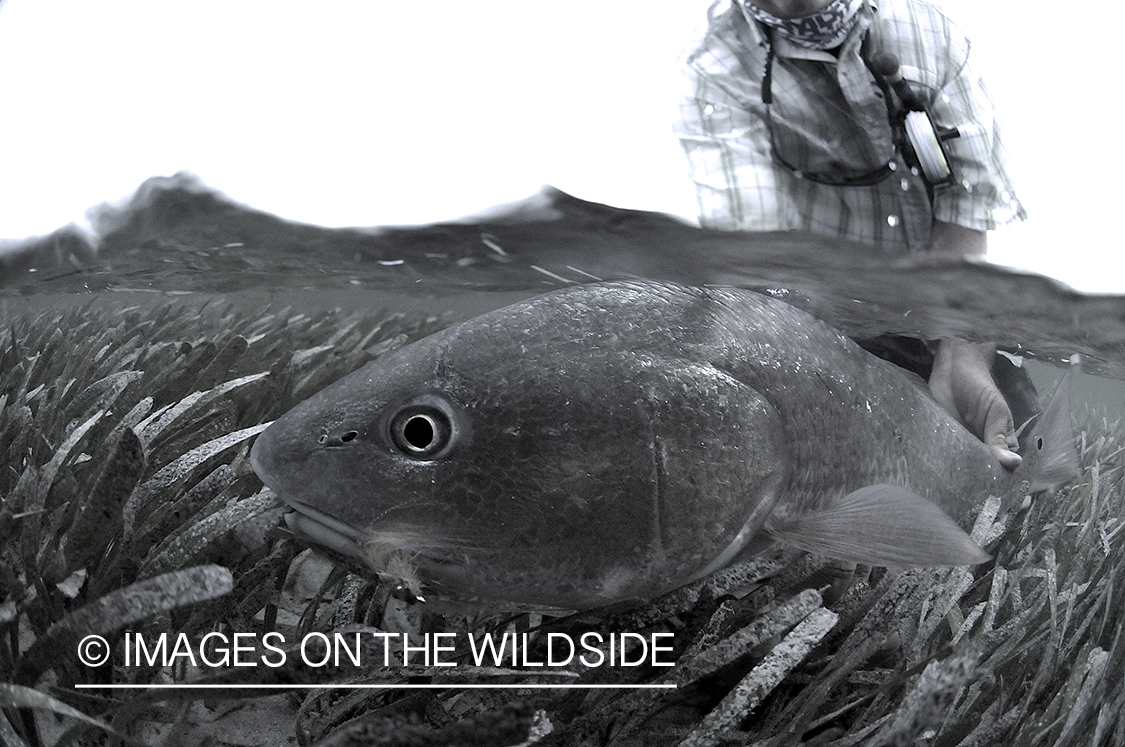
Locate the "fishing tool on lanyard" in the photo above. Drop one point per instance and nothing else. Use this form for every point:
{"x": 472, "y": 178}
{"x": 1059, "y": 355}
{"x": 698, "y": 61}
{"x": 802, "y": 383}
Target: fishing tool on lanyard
{"x": 925, "y": 140}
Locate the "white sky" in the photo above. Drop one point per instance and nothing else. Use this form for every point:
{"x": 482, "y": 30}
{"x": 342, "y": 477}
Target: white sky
{"x": 377, "y": 112}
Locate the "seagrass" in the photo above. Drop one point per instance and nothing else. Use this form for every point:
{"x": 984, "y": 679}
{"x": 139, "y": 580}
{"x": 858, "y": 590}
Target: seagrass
{"x": 128, "y": 503}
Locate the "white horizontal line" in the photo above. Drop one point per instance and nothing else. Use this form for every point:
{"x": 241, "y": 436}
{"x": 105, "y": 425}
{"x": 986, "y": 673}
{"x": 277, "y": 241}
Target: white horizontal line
{"x": 387, "y": 686}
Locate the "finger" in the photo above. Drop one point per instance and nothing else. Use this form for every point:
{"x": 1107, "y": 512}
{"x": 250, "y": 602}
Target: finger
{"x": 1008, "y": 459}
{"x": 1000, "y": 434}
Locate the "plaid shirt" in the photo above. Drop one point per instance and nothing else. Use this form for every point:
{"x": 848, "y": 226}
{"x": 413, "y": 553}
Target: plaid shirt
{"x": 739, "y": 184}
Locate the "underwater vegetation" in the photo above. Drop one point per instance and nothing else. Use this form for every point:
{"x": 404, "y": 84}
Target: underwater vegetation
{"x": 128, "y": 507}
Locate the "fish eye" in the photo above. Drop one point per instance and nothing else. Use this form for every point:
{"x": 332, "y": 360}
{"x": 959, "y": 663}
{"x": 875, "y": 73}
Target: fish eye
{"x": 421, "y": 431}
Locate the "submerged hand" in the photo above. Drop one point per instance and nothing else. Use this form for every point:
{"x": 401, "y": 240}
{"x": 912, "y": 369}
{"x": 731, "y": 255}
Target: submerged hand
{"x": 962, "y": 383}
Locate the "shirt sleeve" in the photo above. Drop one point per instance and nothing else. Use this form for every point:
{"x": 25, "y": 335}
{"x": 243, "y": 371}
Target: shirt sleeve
{"x": 982, "y": 196}
{"x": 727, "y": 144}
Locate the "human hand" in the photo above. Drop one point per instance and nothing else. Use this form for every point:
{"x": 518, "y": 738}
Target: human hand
{"x": 962, "y": 383}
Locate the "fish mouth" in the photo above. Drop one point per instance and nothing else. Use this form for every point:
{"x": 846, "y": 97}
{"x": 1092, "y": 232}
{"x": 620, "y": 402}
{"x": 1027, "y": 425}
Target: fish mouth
{"x": 321, "y": 529}
{"x": 397, "y": 557}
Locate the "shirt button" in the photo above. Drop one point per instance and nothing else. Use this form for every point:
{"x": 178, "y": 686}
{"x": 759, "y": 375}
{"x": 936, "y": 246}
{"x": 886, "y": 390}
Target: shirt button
{"x": 892, "y": 220}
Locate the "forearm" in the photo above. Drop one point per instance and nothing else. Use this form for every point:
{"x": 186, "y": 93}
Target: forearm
{"x": 950, "y": 238}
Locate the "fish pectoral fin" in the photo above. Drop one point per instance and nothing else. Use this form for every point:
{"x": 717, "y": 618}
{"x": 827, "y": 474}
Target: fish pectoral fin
{"x": 880, "y": 525}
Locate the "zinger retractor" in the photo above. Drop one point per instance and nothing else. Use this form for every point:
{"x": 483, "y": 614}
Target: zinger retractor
{"x": 925, "y": 139}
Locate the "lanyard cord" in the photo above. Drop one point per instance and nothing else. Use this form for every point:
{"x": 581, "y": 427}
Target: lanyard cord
{"x": 863, "y": 180}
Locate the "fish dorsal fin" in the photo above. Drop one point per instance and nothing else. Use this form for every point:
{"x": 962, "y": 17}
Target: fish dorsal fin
{"x": 1052, "y": 441}
{"x": 880, "y": 525}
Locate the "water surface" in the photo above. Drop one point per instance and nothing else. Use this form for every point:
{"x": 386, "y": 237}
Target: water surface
{"x": 176, "y": 239}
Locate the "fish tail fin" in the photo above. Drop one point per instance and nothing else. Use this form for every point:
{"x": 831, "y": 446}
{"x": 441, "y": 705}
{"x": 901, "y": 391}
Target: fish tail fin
{"x": 880, "y": 525}
{"x": 1053, "y": 454}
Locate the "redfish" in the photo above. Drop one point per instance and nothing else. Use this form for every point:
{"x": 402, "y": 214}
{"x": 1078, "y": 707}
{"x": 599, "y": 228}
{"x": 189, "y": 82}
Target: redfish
{"x": 615, "y": 441}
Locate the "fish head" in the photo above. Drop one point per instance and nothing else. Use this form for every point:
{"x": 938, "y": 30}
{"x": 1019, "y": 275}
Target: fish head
{"x": 543, "y": 454}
